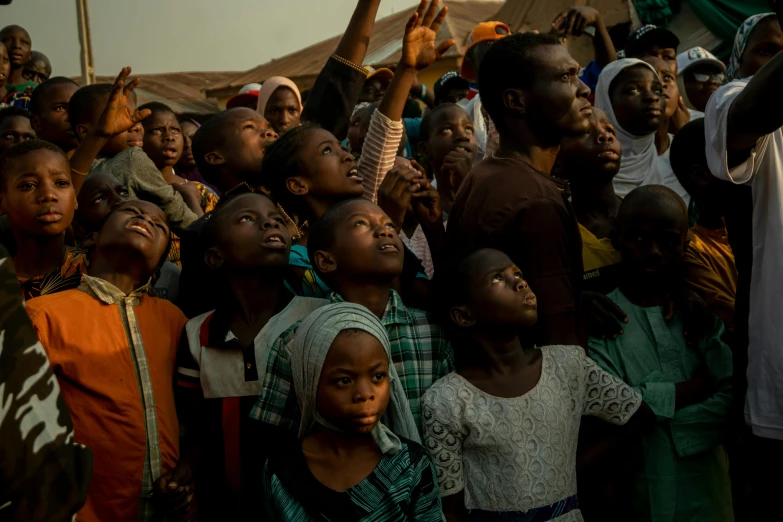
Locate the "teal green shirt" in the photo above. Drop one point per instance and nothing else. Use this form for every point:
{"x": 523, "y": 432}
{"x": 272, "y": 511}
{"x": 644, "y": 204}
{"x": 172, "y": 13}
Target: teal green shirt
{"x": 685, "y": 475}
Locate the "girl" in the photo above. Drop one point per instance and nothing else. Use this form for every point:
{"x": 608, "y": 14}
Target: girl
{"x": 758, "y": 39}
{"x": 347, "y": 465}
{"x": 631, "y": 94}
{"x": 307, "y": 170}
{"x": 502, "y": 430}
{"x": 280, "y": 103}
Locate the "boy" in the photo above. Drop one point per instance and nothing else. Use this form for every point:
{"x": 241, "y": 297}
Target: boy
{"x": 355, "y": 249}
{"x": 113, "y": 350}
{"x": 450, "y": 88}
{"x": 221, "y": 365}
{"x": 510, "y": 202}
{"x": 689, "y": 389}
{"x": 37, "y": 196}
{"x": 38, "y": 69}
{"x": 18, "y": 43}
{"x": 14, "y": 127}
{"x": 49, "y": 112}
{"x": 709, "y": 260}
{"x": 107, "y": 124}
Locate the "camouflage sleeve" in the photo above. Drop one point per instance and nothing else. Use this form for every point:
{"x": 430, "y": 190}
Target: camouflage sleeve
{"x": 43, "y": 473}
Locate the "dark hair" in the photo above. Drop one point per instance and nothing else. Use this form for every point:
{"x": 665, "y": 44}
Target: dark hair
{"x": 10, "y": 112}
{"x": 688, "y": 150}
{"x": 166, "y": 251}
{"x": 154, "y": 107}
{"x": 211, "y": 230}
{"x": 509, "y": 64}
{"x": 12, "y": 27}
{"x": 84, "y": 106}
{"x": 659, "y": 194}
{"x": 321, "y": 235}
{"x": 197, "y": 117}
{"x": 207, "y": 138}
{"x": 40, "y": 92}
{"x": 22, "y": 149}
{"x": 425, "y": 128}
{"x": 281, "y": 161}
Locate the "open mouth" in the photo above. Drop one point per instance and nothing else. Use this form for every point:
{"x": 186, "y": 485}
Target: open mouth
{"x": 389, "y": 249}
{"x": 140, "y": 226}
{"x": 274, "y": 241}
{"x": 353, "y": 174}
{"x": 170, "y": 152}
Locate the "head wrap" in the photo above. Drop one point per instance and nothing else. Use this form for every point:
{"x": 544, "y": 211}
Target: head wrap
{"x": 740, "y": 42}
{"x": 640, "y": 163}
{"x": 270, "y": 86}
{"x": 314, "y": 338}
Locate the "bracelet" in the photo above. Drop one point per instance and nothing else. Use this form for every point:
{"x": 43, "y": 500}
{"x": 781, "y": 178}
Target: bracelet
{"x": 423, "y": 92}
{"x": 79, "y": 173}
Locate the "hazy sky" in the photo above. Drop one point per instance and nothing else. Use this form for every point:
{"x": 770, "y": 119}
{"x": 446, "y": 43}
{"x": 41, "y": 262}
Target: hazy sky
{"x": 181, "y": 35}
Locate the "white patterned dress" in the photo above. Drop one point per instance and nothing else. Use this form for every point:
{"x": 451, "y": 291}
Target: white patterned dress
{"x": 519, "y": 454}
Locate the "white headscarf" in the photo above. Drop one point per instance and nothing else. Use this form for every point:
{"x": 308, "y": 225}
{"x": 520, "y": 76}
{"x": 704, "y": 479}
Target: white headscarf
{"x": 313, "y": 340}
{"x": 640, "y": 164}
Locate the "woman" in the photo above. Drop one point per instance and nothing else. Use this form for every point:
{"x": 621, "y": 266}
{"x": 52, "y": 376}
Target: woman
{"x": 280, "y": 103}
{"x": 758, "y": 40}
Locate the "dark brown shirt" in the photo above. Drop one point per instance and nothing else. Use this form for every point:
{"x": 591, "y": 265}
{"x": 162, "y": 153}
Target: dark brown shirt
{"x": 507, "y": 205}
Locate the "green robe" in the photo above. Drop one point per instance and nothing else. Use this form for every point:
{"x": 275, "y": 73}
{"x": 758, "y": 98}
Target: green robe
{"x": 685, "y": 475}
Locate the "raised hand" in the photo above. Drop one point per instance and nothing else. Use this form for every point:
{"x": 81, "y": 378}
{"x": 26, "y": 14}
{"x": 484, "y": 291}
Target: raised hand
{"x": 575, "y": 20}
{"x": 457, "y": 164}
{"x": 397, "y": 189}
{"x": 118, "y": 116}
{"x": 426, "y": 206}
{"x": 418, "y": 44}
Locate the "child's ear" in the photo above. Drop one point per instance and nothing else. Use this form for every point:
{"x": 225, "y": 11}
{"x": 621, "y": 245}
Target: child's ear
{"x": 515, "y": 102}
{"x": 35, "y": 123}
{"x": 213, "y": 259}
{"x": 324, "y": 262}
{"x": 297, "y": 186}
{"x": 462, "y": 316}
{"x": 90, "y": 240}
{"x": 81, "y": 130}
{"x": 214, "y": 158}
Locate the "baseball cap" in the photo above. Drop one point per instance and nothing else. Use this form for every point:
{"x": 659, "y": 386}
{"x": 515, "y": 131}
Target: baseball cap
{"x": 247, "y": 95}
{"x": 384, "y": 74}
{"x": 450, "y": 78}
{"x": 483, "y": 32}
{"x": 696, "y": 56}
{"x": 648, "y": 35}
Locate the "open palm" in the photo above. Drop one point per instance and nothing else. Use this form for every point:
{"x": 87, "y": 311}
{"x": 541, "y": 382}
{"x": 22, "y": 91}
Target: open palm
{"x": 119, "y": 115}
{"x": 418, "y": 44}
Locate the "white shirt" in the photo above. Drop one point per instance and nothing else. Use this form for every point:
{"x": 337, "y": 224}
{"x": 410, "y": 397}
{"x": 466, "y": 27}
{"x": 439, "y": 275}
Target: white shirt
{"x": 763, "y": 170}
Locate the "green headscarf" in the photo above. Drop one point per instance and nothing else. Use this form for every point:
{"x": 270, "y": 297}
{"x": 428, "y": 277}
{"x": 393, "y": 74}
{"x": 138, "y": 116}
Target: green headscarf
{"x": 313, "y": 340}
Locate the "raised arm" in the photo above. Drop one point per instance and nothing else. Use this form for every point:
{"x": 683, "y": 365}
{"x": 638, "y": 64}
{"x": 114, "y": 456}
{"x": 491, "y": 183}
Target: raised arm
{"x": 353, "y": 45}
{"x": 575, "y": 20}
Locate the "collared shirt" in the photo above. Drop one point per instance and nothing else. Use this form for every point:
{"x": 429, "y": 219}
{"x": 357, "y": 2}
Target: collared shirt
{"x": 114, "y": 356}
{"x": 66, "y": 277}
{"x": 419, "y": 350}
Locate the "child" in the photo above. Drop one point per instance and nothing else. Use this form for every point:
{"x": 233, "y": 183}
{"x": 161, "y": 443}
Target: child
{"x": 355, "y": 249}
{"x": 709, "y": 260}
{"x": 38, "y": 69}
{"x": 671, "y": 120}
{"x": 37, "y": 196}
{"x": 689, "y": 389}
{"x": 186, "y": 166}
{"x": 113, "y": 350}
{"x": 307, "y": 170}
{"x": 631, "y": 94}
{"x": 502, "y": 430}
{"x": 700, "y": 74}
{"x": 222, "y": 366}
{"x": 347, "y": 465}
{"x": 14, "y": 127}
{"x": 280, "y": 103}
{"x": 49, "y": 112}
{"x": 18, "y": 43}
{"x": 107, "y": 124}
{"x": 5, "y": 71}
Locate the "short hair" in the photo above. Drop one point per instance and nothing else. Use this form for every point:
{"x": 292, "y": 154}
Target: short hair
{"x": 658, "y": 194}
{"x": 321, "y": 235}
{"x": 425, "y": 128}
{"x": 207, "y": 138}
{"x": 688, "y": 149}
{"x": 509, "y": 64}
{"x": 211, "y": 231}
{"x": 84, "y": 106}
{"x": 281, "y": 161}
{"x": 154, "y": 107}
{"x": 12, "y": 27}
{"x": 39, "y": 56}
{"x": 10, "y": 112}
{"x": 22, "y": 149}
{"x": 40, "y": 92}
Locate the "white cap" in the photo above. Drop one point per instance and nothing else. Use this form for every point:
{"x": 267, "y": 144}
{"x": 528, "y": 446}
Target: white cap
{"x": 696, "y": 56}
{"x": 250, "y": 87}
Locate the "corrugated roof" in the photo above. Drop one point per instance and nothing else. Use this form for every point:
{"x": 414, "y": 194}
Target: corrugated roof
{"x": 385, "y": 46}
{"x": 183, "y": 92}
{"x": 538, "y": 14}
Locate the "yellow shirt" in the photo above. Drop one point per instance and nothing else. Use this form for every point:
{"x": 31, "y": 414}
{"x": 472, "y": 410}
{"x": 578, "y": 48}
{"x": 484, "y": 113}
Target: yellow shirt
{"x": 712, "y": 272}
{"x": 601, "y": 263}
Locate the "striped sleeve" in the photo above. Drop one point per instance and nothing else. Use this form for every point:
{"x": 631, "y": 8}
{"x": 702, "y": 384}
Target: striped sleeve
{"x": 378, "y": 153}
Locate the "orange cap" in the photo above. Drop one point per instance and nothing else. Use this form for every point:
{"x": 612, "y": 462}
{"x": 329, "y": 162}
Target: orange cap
{"x": 384, "y": 74}
{"x": 483, "y": 32}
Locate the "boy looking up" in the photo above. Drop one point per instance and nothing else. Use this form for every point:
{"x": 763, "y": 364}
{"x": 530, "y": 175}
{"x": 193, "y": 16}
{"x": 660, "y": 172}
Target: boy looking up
{"x": 14, "y": 127}
{"x": 688, "y": 388}
{"x": 108, "y": 124}
{"x": 529, "y": 86}
{"x": 356, "y": 250}
{"x": 49, "y": 112}
{"x": 117, "y": 377}
{"x": 37, "y": 196}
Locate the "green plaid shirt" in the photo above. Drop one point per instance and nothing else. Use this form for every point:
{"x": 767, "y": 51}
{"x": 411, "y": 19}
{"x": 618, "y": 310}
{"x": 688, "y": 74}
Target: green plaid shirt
{"x": 419, "y": 350}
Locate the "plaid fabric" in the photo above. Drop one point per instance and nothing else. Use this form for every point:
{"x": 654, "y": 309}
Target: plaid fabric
{"x": 110, "y": 294}
{"x": 419, "y": 349}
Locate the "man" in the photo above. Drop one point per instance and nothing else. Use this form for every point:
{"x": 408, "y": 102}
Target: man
{"x": 650, "y": 40}
{"x": 509, "y": 202}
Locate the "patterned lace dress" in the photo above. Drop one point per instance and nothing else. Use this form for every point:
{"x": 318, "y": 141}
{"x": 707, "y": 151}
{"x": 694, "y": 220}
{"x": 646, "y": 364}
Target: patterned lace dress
{"x": 519, "y": 454}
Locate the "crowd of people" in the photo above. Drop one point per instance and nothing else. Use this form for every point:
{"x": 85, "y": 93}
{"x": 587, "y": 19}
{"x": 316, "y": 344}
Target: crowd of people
{"x": 550, "y": 295}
